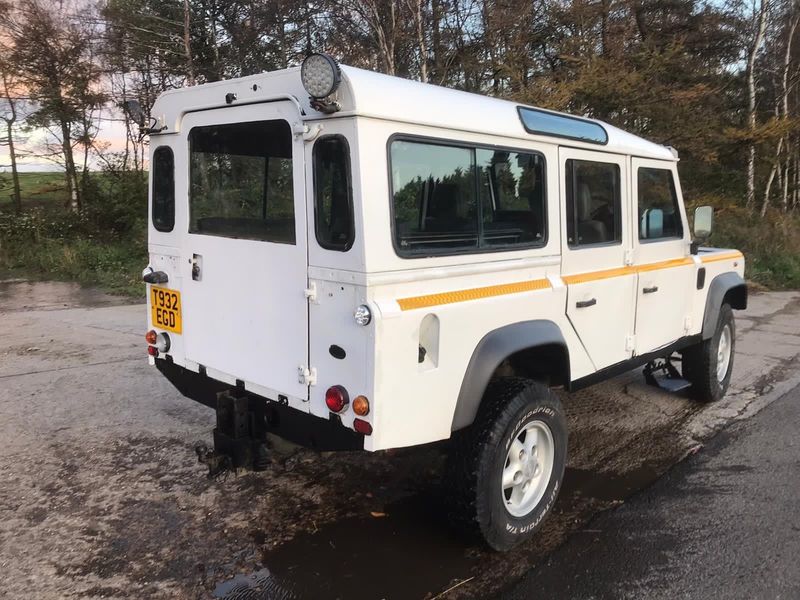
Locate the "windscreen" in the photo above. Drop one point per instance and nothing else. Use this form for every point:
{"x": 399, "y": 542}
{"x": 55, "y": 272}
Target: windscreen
{"x": 240, "y": 181}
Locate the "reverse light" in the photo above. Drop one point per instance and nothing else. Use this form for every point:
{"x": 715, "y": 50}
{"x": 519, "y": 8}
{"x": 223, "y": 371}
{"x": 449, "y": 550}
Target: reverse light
{"x": 362, "y": 426}
{"x": 336, "y": 398}
{"x": 151, "y": 337}
{"x": 361, "y": 406}
{"x": 163, "y": 342}
{"x": 320, "y": 74}
{"x": 363, "y": 315}
{"x": 152, "y": 351}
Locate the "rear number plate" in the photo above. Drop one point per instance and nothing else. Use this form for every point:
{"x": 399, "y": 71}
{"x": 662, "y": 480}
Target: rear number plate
{"x": 165, "y": 308}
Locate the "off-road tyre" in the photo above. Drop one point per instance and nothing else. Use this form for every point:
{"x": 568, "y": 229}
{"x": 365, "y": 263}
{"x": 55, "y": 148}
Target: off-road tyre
{"x": 699, "y": 362}
{"x": 473, "y": 475}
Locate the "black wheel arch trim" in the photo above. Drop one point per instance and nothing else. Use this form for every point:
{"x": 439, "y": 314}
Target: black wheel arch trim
{"x": 491, "y": 351}
{"x": 724, "y": 286}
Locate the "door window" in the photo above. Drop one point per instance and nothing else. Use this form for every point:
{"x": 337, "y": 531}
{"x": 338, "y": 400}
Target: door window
{"x": 333, "y": 194}
{"x": 163, "y": 189}
{"x": 659, "y": 214}
{"x": 593, "y": 203}
{"x": 240, "y": 181}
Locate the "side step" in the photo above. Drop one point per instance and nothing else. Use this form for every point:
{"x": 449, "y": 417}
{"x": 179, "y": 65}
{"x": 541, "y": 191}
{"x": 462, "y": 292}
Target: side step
{"x": 662, "y": 373}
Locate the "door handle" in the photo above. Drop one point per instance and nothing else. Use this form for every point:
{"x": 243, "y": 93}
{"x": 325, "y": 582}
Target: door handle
{"x": 650, "y": 290}
{"x": 586, "y": 303}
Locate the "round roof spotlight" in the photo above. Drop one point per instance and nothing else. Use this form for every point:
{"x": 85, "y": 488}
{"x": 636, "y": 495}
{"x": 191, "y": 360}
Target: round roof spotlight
{"x": 320, "y": 74}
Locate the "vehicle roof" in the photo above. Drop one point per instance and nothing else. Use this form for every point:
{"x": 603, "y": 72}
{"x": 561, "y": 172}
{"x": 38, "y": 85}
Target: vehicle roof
{"x": 370, "y": 94}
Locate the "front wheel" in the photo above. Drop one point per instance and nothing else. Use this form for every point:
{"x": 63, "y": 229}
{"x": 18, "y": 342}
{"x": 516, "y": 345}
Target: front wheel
{"x": 505, "y": 471}
{"x": 708, "y": 365}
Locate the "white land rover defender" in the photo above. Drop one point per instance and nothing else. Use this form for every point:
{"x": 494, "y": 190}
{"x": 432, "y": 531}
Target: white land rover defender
{"x": 352, "y": 260}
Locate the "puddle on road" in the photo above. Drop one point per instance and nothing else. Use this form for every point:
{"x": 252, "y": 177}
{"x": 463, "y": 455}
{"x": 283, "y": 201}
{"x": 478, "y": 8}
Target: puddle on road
{"x": 410, "y": 553}
{"x": 20, "y": 294}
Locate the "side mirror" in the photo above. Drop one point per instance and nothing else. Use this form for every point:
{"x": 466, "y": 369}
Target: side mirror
{"x": 135, "y": 112}
{"x": 703, "y": 225}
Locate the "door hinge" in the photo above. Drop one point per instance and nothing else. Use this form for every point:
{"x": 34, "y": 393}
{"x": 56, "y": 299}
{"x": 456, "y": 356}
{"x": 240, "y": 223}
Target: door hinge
{"x": 630, "y": 343}
{"x": 628, "y": 257}
{"x": 307, "y": 376}
{"x": 311, "y": 292}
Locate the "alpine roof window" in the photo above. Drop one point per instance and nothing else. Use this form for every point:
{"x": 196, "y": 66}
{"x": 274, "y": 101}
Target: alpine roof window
{"x": 563, "y": 126}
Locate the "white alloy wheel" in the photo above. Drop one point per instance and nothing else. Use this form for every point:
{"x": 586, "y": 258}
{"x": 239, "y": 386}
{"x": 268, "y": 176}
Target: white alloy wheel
{"x": 528, "y": 468}
{"x": 724, "y": 349}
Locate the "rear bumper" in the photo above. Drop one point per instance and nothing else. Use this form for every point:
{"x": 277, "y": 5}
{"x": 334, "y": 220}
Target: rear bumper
{"x": 293, "y": 425}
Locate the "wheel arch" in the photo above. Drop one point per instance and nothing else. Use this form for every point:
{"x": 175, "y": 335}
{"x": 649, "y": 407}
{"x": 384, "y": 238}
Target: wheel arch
{"x": 528, "y": 345}
{"x": 725, "y": 288}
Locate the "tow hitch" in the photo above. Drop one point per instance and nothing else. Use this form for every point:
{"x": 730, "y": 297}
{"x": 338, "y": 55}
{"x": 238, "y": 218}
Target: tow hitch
{"x": 240, "y": 437}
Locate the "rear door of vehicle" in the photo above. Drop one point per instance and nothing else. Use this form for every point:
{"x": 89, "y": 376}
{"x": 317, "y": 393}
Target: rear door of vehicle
{"x": 245, "y": 261}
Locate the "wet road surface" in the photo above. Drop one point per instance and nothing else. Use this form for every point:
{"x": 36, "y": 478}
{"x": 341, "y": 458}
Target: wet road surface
{"x": 102, "y": 495}
{"x": 723, "y": 524}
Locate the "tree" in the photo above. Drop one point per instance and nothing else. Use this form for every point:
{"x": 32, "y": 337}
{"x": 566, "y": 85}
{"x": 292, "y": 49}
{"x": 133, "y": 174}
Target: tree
{"x": 56, "y": 64}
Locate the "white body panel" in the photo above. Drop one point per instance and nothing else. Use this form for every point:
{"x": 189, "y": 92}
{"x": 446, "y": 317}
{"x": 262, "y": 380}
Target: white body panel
{"x": 248, "y": 318}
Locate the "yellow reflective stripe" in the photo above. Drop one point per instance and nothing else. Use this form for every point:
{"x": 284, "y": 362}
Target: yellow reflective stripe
{"x": 472, "y": 294}
{"x": 716, "y": 257}
{"x": 539, "y": 284}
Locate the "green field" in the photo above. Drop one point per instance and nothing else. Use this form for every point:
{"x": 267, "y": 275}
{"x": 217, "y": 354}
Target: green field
{"x": 37, "y": 189}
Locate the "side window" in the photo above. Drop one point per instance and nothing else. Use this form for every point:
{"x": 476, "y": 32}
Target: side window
{"x": 512, "y": 197}
{"x": 333, "y": 194}
{"x": 163, "y": 189}
{"x": 659, "y": 214}
{"x": 240, "y": 181}
{"x": 450, "y": 199}
{"x": 594, "y": 211}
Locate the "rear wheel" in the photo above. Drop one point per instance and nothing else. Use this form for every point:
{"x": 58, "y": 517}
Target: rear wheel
{"x": 709, "y": 364}
{"x": 504, "y": 472}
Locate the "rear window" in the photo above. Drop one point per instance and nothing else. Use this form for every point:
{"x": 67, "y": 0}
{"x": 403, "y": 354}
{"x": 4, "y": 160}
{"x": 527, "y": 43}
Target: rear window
{"x": 240, "y": 181}
{"x": 594, "y": 210}
{"x": 333, "y": 194}
{"x": 163, "y": 189}
{"x": 455, "y": 199}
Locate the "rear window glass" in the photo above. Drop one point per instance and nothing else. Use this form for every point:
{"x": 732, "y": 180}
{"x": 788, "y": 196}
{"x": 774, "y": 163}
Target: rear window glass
{"x": 240, "y": 181}
{"x": 564, "y": 126}
{"x": 333, "y": 193}
{"x": 454, "y": 199}
{"x": 163, "y": 189}
{"x": 659, "y": 215}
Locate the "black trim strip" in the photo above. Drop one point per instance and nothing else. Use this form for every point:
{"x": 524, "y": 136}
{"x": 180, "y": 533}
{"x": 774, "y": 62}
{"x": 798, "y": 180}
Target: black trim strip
{"x": 632, "y": 363}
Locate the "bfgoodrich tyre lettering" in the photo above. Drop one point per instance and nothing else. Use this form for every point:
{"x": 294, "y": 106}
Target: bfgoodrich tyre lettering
{"x": 479, "y": 458}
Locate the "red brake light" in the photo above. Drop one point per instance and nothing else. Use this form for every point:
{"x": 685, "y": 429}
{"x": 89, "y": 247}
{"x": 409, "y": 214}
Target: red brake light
{"x": 150, "y": 336}
{"x": 362, "y": 426}
{"x": 336, "y": 398}
{"x": 152, "y": 351}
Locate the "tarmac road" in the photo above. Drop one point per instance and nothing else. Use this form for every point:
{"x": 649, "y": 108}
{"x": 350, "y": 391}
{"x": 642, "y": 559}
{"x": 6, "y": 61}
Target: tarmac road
{"x": 101, "y": 495}
{"x": 723, "y": 524}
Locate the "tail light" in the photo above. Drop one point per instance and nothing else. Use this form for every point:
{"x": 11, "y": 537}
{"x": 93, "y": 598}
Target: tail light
{"x": 163, "y": 342}
{"x": 336, "y": 398}
{"x": 152, "y": 351}
{"x": 151, "y": 337}
{"x": 362, "y": 426}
